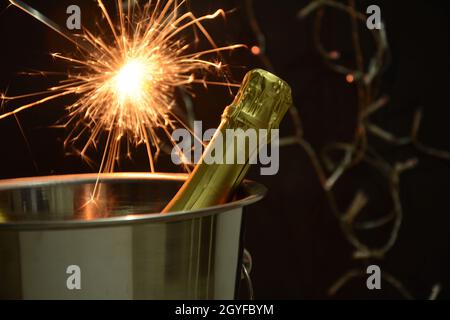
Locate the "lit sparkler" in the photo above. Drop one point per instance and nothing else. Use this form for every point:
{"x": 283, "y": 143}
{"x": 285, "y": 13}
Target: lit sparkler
{"x": 125, "y": 88}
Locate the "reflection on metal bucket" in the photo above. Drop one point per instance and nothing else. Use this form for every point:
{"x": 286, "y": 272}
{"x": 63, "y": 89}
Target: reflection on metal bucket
{"x": 122, "y": 251}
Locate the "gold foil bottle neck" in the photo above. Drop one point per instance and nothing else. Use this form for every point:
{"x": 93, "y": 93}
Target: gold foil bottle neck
{"x": 262, "y": 101}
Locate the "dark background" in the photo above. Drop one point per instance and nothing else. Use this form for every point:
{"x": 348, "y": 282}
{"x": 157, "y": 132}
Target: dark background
{"x": 298, "y": 249}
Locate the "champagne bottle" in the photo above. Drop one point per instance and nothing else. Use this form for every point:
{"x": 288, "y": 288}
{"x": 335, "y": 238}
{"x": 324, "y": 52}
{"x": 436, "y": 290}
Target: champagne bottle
{"x": 261, "y": 103}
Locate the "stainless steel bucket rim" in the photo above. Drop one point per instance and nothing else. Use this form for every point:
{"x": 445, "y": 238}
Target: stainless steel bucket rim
{"x": 253, "y": 193}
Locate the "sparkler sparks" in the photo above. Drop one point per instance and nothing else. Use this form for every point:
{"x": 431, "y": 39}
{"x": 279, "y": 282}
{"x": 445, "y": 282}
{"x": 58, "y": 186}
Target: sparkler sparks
{"x": 125, "y": 88}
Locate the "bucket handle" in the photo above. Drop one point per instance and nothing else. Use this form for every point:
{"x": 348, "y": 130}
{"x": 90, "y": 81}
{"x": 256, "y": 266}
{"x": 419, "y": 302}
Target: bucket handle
{"x": 247, "y": 264}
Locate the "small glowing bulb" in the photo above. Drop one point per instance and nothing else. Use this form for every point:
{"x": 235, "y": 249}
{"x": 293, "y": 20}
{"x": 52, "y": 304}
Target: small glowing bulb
{"x": 256, "y": 50}
{"x": 130, "y": 80}
{"x": 350, "y": 78}
{"x": 334, "y": 55}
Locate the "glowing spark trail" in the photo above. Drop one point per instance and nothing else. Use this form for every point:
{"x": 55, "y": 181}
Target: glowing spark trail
{"x": 125, "y": 88}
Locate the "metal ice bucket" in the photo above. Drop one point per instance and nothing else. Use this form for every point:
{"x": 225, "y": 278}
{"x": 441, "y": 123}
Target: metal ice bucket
{"x": 52, "y": 237}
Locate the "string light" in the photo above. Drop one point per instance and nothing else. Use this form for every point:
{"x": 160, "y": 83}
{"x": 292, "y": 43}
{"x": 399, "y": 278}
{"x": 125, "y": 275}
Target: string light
{"x": 329, "y": 171}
